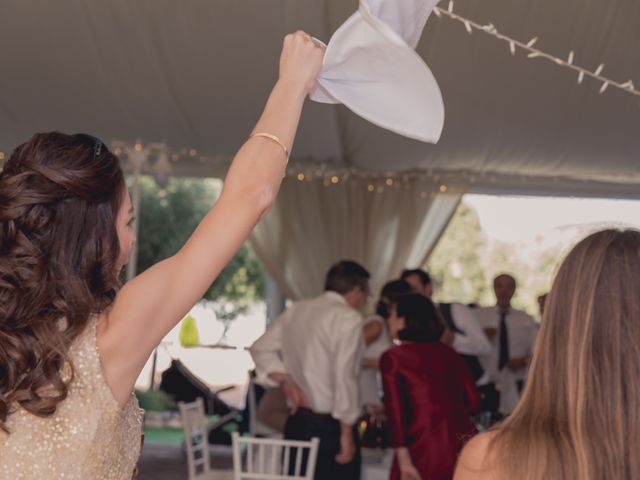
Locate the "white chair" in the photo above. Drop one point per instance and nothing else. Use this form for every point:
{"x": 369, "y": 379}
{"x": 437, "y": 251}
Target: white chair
{"x": 273, "y": 458}
{"x": 256, "y": 427}
{"x": 196, "y": 437}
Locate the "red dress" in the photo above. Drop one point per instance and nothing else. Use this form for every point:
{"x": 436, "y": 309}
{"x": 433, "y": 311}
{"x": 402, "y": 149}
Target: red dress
{"x": 428, "y": 395}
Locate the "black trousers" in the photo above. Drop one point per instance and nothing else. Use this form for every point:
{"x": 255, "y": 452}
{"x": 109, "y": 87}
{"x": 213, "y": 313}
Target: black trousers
{"x": 304, "y": 425}
{"x": 489, "y": 399}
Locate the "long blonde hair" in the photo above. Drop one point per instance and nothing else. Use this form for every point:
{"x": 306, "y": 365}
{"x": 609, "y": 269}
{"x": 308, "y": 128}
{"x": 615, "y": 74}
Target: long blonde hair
{"x": 579, "y": 416}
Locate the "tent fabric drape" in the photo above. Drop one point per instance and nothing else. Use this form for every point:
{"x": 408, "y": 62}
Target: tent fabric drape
{"x": 313, "y": 225}
{"x": 194, "y": 75}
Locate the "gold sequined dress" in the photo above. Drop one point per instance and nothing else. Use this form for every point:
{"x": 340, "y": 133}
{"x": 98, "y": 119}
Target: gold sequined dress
{"x": 89, "y": 436}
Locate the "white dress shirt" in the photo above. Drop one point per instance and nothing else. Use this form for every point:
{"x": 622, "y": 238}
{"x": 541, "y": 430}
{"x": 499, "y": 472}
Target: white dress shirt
{"x": 319, "y": 343}
{"x": 370, "y": 382}
{"x": 521, "y": 333}
{"x": 473, "y": 341}
{"x": 371, "y": 67}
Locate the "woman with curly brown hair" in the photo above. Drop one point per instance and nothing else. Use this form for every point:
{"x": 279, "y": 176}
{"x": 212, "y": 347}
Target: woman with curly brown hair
{"x": 72, "y": 343}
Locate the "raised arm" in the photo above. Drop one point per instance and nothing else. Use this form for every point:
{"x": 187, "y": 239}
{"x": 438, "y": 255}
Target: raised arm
{"x": 149, "y": 306}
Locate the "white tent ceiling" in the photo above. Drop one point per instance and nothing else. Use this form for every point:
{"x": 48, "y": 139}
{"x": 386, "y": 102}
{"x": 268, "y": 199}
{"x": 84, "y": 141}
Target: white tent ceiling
{"x": 195, "y": 73}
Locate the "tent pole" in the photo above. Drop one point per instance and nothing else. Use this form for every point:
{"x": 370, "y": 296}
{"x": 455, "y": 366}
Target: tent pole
{"x": 152, "y": 383}
{"x": 137, "y": 158}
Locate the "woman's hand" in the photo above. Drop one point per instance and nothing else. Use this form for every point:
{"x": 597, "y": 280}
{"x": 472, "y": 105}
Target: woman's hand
{"x": 301, "y": 60}
{"x": 407, "y": 470}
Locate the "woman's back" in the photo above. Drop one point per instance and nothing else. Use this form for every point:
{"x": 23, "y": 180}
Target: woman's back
{"x": 578, "y": 416}
{"x": 428, "y": 398}
{"x": 89, "y": 436}
{"x": 433, "y": 378}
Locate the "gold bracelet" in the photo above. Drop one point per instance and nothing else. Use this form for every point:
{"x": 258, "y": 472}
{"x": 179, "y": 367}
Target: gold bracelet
{"x": 274, "y": 139}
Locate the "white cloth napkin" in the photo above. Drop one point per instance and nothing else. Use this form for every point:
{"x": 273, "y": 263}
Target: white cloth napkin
{"x": 372, "y": 68}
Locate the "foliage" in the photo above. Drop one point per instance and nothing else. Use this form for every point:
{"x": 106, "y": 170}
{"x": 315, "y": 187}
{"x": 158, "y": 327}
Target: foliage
{"x": 456, "y": 263}
{"x": 155, "y": 400}
{"x": 169, "y": 215}
{"x": 464, "y": 263}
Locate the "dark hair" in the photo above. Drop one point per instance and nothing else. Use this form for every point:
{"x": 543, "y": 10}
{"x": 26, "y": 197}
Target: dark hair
{"x": 423, "y": 322}
{"x": 505, "y": 275}
{"x": 424, "y": 277}
{"x": 345, "y": 275}
{"x": 390, "y": 292}
{"x": 59, "y": 199}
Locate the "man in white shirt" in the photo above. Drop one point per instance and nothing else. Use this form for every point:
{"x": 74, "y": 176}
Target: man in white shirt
{"x": 314, "y": 349}
{"x": 512, "y": 334}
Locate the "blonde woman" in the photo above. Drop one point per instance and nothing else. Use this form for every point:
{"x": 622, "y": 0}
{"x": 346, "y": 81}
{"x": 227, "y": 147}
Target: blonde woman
{"x": 579, "y": 416}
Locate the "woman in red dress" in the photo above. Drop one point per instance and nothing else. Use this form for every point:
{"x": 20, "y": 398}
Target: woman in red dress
{"x": 428, "y": 394}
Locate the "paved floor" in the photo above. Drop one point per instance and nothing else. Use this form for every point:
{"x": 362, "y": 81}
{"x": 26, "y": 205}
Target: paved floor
{"x": 168, "y": 462}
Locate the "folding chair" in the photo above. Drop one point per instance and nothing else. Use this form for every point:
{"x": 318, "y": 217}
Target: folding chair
{"x": 274, "y": 458}
{"x": 196, "y": 434}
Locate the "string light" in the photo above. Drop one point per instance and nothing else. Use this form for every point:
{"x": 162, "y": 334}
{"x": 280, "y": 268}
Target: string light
{"x": 490, "y": 29}
{"x": 424, "y": 184}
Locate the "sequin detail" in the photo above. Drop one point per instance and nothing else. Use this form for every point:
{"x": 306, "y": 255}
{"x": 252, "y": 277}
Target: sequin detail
{"x": 89, "y": 436}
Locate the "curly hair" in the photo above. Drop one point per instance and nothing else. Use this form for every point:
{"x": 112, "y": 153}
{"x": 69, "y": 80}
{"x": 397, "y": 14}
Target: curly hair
{"x": 59, "y": 199}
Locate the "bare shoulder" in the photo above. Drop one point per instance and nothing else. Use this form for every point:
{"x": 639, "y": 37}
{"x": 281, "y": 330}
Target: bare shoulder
{"x": 475, "y": 461}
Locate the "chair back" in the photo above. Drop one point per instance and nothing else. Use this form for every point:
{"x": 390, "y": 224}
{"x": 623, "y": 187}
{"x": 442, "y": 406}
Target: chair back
{"x": 196, "y": 433}
{"x": 273, "y": 458}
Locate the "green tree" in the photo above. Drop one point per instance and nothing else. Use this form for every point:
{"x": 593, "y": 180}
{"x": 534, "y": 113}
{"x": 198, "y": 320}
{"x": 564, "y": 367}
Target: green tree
{"x": 456, "y": 263}
{"x": 168, "y": 216}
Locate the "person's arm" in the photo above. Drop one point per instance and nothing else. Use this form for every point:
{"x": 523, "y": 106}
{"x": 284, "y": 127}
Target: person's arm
{"x": 474, "y": 341}
{"x": 270, "y": 369}
{"x": 346, "y": 402}
{"x": 395, "y": 408}
{"x": 408, "y": 471}
{"x": 150, "y": 305}
{"x": 266, "y": 354}
{"x": 394, "y": 399}
{"x": 372, "y": 330}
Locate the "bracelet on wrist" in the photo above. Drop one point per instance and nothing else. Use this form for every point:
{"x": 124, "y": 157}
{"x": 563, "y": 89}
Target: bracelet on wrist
{"x": 273, "y": 138}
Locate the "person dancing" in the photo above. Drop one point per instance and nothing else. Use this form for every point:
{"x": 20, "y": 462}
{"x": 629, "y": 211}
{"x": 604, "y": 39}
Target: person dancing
{"x": 428, "y": 393}
{"x": 72, "y": 343}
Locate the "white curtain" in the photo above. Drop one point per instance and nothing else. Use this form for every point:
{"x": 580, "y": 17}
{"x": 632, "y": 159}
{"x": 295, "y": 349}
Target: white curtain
{"x": 315, "y": 223}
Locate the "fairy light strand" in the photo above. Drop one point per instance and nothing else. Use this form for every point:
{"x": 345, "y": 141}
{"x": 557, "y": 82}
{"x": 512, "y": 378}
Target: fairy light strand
{"x": 533, "y": 52}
